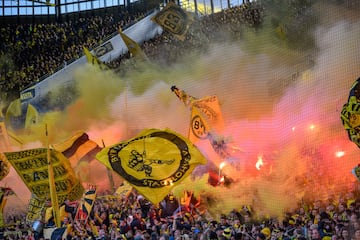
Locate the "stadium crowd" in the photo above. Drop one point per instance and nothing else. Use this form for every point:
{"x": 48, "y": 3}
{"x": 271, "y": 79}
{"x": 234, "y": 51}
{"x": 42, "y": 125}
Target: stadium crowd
{"x": 31, "y": 52}
{"x": 131, "y": 216}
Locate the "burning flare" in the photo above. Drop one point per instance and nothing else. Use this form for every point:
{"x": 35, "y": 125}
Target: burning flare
{"x": 259, "y": 162}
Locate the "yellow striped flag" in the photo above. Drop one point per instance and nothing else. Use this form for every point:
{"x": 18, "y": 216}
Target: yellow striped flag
{"x": 78, "y": 148}
{"x": 153, "y": 162}
{"x": 86, "y": 204}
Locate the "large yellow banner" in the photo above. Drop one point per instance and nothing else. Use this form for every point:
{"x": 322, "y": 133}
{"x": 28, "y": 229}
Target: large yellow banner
{"x": 153, "y": 162}
{"x": 32, "y": 167}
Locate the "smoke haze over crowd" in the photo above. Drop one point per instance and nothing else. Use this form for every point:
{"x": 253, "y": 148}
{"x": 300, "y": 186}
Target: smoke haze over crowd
{"x": 276, "y": 107}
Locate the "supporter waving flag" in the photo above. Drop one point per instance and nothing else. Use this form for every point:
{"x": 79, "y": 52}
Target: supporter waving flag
{"x": 206, "y": 121}
{"x": 183, "y": 96}
{"x": 153, "y": 162}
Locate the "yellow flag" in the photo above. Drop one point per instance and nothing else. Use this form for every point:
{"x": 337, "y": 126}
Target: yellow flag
{"x": 86, "y": 205}
{"x": 13, "y": 110}
{"x": 153, "y": 162}
{"x": 32, "y": 116}
{"x": 350, "y": 114}
{"x": 174, "y": 19}
{"x": 35, "y": 209}
{"x": 199, "y": 126}
{"x": 94, "y": 60}
{"x": 78, "y": 148}
{"x": 133, "y": 47}
{"x": 207, "y": 123}
{"x": 32, "y": 166}
{"x": 206, "y": 118}
{"x": 124, "y": 189}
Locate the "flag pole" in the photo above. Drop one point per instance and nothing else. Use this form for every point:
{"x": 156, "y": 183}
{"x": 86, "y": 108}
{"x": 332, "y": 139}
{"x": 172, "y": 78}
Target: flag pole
{"x": 53, "y": 195}
{"x": 110, "y": 176}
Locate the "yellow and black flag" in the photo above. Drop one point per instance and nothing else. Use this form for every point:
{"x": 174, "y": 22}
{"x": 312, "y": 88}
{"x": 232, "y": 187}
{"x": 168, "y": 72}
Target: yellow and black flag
{"x": 86, "y": 204}
{"x": 350, "y": 114}
{"x": 80, "y": 150}
{"x": 32, "y": 167}
{"x": 94, "y": 60}
{"x": 124, "y": 189}
{"x": 206, "y": 121}
{"x": 153, "y": 162}
{"x": 133, "y": 47}
{"x": 35, "y": 210}
{"x": 174, "y": 19}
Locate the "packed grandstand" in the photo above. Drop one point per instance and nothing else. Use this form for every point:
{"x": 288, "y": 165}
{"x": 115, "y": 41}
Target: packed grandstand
{"x": 316, "y": 199}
